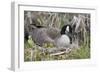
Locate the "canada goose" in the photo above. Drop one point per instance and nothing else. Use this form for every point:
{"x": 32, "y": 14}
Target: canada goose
{"x": 60, "y": 38}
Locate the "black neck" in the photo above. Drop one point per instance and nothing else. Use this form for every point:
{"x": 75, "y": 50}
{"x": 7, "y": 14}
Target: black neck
{"x": 63, "y": 30}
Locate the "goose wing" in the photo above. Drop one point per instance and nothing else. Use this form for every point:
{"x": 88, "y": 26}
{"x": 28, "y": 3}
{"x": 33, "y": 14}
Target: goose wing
{"x": 53, "y": 33}
{"x": 40, "y": 36}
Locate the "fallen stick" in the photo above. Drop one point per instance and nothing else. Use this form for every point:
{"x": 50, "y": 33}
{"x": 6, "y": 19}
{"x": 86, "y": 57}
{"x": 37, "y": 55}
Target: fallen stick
{"x": 58, "y": 53}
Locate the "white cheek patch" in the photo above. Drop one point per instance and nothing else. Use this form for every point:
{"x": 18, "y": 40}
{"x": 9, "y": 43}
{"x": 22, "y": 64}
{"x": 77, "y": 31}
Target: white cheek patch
{"x": 67, "y": 28}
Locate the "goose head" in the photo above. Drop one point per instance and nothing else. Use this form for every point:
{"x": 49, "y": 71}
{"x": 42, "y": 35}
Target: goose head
{"x": 66, "y": 29}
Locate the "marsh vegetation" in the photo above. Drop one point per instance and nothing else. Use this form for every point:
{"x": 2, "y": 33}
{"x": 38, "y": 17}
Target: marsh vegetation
{"x": 80, "y": 47}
